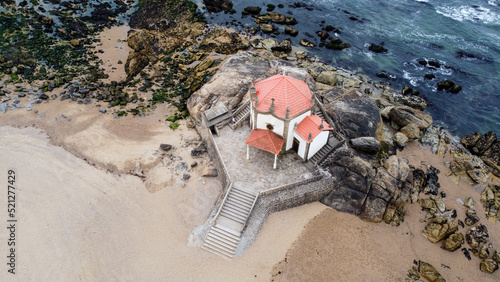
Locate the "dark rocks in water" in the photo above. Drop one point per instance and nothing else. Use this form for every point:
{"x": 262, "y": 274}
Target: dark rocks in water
{"x": 336, "y": 44}
{"x": 377, "y": 48}
{"x": 469, "y": 56}
{"x": 301, "y": 5}
{"x": 291, "y": 31}
{"x": 406, "y": 90}
{"x": 270, "y": 7}
{"x": 323, "y": 34}
{"x": 266, "y": 28}
{"x": 422, "y": 62}
{"x": 383, "y": 74}
{"x": 166, "y": 147}
{"x": 368, "y": 145}
{"x": 432, "y": 181}
{"x": 306, "y": 43}
{"x": 285, "y": 46}
{"x": 434, "y": 64}
{"x": 488, "y": 265}
{"x": 216, "y": 6}
{"x": 253, "y": 10}
{"x": 281, "y": 6}
{"x": 453, "y": 242}
{"x": 356, "y": 113}
{"x": 429, "y": 76}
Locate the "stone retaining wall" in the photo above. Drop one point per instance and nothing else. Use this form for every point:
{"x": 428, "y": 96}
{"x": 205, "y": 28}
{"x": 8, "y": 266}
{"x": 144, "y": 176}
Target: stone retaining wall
{"x": 278, "y": 201}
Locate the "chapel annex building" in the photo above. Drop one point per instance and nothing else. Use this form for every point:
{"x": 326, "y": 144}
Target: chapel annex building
{"x": 281, "y": 118}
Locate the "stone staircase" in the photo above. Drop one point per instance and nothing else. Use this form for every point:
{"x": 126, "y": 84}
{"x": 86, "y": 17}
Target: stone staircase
{"x": 321, "y": 154}
{"x": 223, "y": 237}
{"x": 240, "y": 115}
{"x": 221, "y": 241}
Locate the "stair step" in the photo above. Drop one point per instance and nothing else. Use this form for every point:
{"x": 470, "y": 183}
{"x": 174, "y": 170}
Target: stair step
{"x": 220, "y": 244}
{"x": 236, "y": 212}
{"x": 243, "y": 192}
{"x": 239, "y": 198}
{"x": 232, "y": 217}
{"x": 227, "y": 231}
{"x": 240, "y": 204}
{"x": 223, "y": 235}
{"x": 222, "y": 240}
{"x": 242, "y": 196}
{"x": 216, "y": 251}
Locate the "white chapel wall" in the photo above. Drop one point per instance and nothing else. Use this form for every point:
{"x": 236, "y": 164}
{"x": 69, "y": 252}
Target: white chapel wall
{"x": 289, "y": 141}
{"x": 263, "y": 120}
{"x": 318, "y": 143}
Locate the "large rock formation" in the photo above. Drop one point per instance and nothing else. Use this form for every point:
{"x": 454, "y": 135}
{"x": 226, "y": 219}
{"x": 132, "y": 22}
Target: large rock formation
{"x": 364, "y": 189}
{"x": 160, "y": 26}
{"x": 233, "y": 80}
{"x": 487, "y": 147}
{"x": 356, "y": 113}
{"x": 216, "y": 6}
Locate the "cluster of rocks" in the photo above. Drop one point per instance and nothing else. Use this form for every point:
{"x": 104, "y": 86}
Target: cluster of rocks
{"x": 490, "y": 198}
{"x": 425, "y": 270}
{"x": 486, "y": 146}
{"x": 374, "y": 193}
{"x": 443, "y": 226}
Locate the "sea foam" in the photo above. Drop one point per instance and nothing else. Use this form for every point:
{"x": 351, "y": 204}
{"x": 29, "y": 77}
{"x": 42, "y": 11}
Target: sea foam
{"x": 476, "y": 14}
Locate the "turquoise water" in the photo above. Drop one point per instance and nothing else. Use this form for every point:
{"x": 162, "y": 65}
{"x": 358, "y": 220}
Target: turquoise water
{"x": 433, "y": 30}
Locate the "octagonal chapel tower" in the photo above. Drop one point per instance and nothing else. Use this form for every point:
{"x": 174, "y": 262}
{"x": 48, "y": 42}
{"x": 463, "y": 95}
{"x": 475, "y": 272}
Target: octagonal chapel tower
{"x": 279, "y": 104}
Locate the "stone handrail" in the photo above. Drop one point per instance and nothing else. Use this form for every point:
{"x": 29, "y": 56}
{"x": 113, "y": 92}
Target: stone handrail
{"x": 329, "y": 120}
{"x": 224, "y": 200}
{"x": 289, "y": 186}
{"x": 235, "y": 113}
{"x": 241, "y": 108}
{"x": 219, "y": 156}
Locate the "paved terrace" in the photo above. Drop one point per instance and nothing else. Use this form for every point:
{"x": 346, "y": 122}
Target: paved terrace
{"x": 257, "y": 173}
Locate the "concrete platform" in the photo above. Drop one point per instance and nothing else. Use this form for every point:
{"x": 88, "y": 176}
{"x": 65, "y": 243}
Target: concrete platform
{"x": 257, "y": 173}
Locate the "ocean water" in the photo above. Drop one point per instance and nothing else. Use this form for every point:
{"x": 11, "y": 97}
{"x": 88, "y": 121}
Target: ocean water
{"x": 463, "y": 36}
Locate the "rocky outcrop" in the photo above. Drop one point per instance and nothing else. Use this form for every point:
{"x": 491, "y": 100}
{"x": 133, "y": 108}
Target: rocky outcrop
{"x": 234, "y": 79}
{"x": 328, "y": 77}
{"x": 490, "y": 198}
{"x": 356, "y": 113}
{"x": 377, "y": 48}
{"x": 486, "y": 146}
{"x": 403, "y": 116}
{"x": 369, "y": 145}
{"x": 253, "y": 10}
{"x": 160, "y": 26}
{"x": 367, "y": 190}
{"x": 216, "y": 6}
{"x": 449, "y": 86}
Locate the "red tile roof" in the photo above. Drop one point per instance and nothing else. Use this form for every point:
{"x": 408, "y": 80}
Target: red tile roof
{"x": 286, "y": 91}
{"x": 311, "y": 124}
{"x": 265, "y": 140}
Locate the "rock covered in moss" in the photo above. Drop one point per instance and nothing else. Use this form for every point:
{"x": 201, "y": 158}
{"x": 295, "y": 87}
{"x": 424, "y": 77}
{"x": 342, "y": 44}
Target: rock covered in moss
{"x": 430, "y": 273}
{"x": 488, "y": 265}
{"x": 453, "y": 242}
